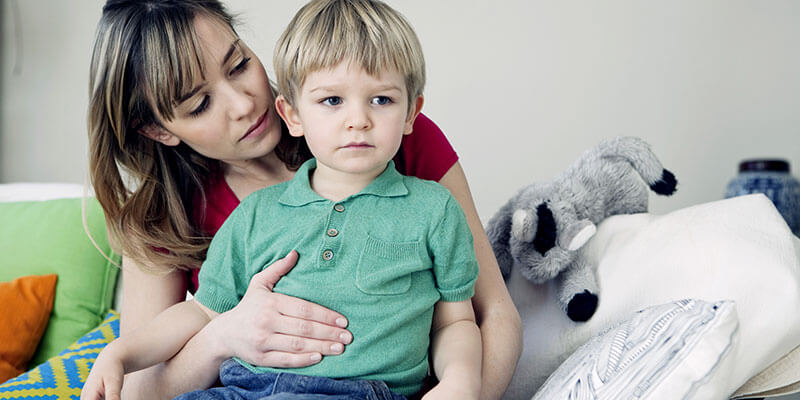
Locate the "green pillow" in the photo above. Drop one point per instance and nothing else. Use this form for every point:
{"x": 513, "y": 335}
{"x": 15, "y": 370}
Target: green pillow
{"x": 48, "y": 237}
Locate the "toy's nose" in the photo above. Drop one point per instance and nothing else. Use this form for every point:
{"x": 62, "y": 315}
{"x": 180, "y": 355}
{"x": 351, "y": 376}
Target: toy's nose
{"x": 542, "y": 248}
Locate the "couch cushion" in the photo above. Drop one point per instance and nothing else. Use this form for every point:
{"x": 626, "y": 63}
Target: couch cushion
{"x": 48, "y": 237}
{"x": 667, "y": 351}
{"x": 63, "y": 376}
{"x": 25, "y": 305}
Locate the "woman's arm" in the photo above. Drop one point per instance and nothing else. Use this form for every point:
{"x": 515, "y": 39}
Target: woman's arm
{"x": 153, "y": 343}
{"x": 498, "y": 319}
{"x": 265, "y": 328}
{"x": 144, "y": 296}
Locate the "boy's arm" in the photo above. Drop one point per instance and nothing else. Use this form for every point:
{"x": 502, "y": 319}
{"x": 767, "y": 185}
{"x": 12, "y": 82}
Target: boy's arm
{"x": 456, "y": 351}
{"x": 153, "y": 343}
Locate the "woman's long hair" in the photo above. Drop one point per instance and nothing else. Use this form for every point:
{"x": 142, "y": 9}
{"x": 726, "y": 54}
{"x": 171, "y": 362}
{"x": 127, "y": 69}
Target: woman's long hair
{"x": 145, "y": 54}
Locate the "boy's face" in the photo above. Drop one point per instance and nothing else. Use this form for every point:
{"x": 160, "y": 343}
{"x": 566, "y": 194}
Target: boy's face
{"x": 353, "y": 122}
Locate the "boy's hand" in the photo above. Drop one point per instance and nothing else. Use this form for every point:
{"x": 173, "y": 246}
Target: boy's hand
{"x": 446, "y": 390}
{"x": 105, "y": 378}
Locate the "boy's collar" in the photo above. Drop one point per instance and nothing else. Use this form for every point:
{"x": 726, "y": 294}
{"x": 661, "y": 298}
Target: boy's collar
{"x": 299, "y": 193}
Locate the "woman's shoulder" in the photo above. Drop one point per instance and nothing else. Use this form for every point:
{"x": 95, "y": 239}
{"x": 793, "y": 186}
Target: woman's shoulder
{"x": 425, "y": 153}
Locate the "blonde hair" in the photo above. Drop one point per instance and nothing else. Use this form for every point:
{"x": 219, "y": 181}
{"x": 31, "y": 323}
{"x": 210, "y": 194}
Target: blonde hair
{"x": 365, "y": 33}
{"x": 146, "y": 54}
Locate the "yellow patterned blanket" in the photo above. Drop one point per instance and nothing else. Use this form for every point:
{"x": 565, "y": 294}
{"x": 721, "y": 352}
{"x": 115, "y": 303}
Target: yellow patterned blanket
{"x": 62, "y": 377}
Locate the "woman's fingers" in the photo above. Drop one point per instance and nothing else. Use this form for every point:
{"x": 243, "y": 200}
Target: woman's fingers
{"x": 284, "y": 331}
{"x": 308, "y": 311}
{"x": 272, "y": 274}
{"x": 308, "y": 329}
{"x": 111, "y": 388}
{"x": 292, "y": 306}
{"x": 278, "y": 359}
{"x": 300, "y": 345}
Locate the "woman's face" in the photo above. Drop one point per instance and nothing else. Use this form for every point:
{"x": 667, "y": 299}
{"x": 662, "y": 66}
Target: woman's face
{"x": 229, "y": 116}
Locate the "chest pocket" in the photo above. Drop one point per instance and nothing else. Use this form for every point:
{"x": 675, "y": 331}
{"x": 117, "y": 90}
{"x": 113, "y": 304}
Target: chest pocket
{"x": 385, "y": 268}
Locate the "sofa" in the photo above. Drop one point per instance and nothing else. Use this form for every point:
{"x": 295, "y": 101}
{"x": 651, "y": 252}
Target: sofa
{"x": 58, "y": 277}
{"x": 725, "y": 282}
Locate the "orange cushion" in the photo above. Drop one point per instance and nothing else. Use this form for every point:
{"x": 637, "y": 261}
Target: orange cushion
{"x": 25, "y": 305}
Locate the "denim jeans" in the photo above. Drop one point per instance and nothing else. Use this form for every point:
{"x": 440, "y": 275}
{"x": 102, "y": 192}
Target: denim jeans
{"x": 242, "y": 384}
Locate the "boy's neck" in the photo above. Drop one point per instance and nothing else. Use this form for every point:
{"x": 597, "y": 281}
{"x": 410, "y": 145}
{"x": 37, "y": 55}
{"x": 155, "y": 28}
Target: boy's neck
{"x": 337, "y": 185}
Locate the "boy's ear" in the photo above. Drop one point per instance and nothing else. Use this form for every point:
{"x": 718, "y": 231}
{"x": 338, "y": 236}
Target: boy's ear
{"x": 159, "y": 134}
{"x": 289, "y": 116}
{"x": 412, "y": 115}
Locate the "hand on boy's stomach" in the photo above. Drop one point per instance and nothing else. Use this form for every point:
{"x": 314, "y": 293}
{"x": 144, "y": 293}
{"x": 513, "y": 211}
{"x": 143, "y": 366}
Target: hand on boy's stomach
{"x": 274, "y": 330}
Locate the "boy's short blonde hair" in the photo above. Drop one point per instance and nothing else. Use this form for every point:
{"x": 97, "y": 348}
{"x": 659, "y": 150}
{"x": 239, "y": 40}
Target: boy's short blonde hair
{"x": 365, "y": 33}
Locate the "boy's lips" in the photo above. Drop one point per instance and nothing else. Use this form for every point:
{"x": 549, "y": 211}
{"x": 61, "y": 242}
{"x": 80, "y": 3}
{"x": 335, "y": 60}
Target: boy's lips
{"x": 258, "y": 127}
{"x": 357, "y": 145}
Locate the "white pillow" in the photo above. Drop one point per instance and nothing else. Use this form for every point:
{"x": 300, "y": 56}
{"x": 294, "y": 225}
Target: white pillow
{"x": 738, "y": 249}
{"x": 34, "y": 191}
{"x": 663, "y": 352}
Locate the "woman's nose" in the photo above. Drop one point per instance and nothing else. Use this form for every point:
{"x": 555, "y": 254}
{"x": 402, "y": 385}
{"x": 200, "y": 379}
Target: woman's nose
{"x": 241, "y": 103}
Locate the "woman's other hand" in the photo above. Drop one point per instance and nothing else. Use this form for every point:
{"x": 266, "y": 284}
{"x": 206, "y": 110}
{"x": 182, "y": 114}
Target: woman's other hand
{"x": 274, "y": 330}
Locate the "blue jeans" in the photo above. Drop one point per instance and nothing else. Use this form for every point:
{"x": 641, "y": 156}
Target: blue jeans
{"x": 242, "y": 384}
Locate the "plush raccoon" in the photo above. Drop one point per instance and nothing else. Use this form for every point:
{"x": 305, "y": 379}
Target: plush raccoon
{"x": 543, "y": 225}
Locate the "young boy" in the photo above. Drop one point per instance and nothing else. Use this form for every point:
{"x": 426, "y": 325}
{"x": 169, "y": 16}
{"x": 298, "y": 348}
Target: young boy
{"x": 392, "y": 253}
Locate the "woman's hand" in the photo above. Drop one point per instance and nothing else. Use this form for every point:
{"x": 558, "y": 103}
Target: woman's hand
{"x": 105, "y": 378}
{"x": 274, "y": 330}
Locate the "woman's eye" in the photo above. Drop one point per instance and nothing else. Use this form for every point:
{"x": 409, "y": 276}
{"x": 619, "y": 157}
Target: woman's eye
{"x": 381, "y": 100}
{"x": 241, "y": 67}
{"x": 332, "y": 101}
{"x": 202, "y": 107}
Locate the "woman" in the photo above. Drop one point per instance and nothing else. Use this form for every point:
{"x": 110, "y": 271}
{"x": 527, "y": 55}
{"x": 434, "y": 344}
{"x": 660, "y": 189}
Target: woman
{"x": 181, "y": 127}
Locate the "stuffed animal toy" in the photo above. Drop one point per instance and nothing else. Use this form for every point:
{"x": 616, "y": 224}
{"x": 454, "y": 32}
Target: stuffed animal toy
{"x": 543, "y": 225}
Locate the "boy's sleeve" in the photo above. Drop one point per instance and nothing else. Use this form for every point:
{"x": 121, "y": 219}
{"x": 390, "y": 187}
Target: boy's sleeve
{"x": 223, "y": 276}
{"x": 454, "y": 264}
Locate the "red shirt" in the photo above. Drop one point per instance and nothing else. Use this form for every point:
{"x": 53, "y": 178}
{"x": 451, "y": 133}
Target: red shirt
{"x": 425, "y": 153}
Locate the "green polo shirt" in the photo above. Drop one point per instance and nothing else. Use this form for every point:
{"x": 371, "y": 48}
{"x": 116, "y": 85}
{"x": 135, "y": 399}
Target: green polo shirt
{"x": 382, "y": 257}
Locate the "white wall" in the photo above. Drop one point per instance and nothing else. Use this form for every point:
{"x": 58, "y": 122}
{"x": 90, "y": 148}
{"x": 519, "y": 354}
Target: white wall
{"x": 45, "y": 55}
{"x": 520, "y": 87}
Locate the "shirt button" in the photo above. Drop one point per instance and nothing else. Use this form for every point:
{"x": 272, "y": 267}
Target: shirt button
{"x": 338, "y": 207}
{"x": 327, "y": 255}
{"x": 332, "y": 232}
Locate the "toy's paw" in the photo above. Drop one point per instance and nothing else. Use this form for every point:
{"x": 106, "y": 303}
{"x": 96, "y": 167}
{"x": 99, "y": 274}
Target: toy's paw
{"x": 667, "y": 185}
{"x": 582, "y": 306}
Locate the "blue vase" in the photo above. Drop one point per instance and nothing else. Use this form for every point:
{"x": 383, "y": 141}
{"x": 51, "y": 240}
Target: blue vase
{"x": 772, "y": 178}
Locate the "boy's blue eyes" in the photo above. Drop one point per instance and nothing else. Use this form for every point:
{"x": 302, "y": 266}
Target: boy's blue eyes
{"x": 381, "y": 100}
{"x": 377, "y": 100}
{"x": 332, "y": 101}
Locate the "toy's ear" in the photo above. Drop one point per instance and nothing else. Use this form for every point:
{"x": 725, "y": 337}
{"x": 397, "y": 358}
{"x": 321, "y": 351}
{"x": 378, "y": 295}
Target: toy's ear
{"x": 546, "y": 229}
{"x": 523, "y": 225}
{"x": 577, "y": 234}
